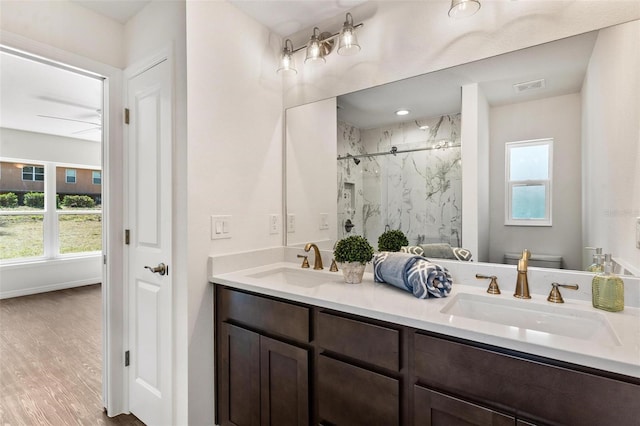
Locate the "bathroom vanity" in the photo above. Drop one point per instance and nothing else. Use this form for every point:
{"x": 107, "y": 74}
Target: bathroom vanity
{"x": 299, "y": 347}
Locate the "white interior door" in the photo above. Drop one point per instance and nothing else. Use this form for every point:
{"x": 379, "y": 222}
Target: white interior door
{"x": 149, "y": 206}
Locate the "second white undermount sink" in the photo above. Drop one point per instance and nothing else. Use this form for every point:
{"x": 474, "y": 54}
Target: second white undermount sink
{"x": 523, "y": 314}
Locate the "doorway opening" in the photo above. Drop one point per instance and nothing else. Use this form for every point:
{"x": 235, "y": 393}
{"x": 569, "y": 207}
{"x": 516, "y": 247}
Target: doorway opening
{"x": 54, "y": 237}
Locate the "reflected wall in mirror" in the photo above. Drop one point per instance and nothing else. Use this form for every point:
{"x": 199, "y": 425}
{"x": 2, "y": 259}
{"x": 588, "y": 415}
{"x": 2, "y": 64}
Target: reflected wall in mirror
{"x": 583, "y": 92}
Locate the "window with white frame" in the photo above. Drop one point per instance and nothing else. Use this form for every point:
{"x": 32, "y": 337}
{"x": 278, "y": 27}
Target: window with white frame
{"x": 528, "y": 171}
{"x": 44, "y": 223}
{"x": 34, "y": 173}
{"x": 70, "y": 175}
{"x": 96, "y": 177}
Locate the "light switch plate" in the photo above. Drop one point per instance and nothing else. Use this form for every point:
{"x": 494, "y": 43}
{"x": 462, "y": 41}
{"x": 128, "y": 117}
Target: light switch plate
{"x": 274, "y": 224}
{"x": 324, "y": 221}
{"x": 291, "y": 223}
{"x": 220, "y": 227}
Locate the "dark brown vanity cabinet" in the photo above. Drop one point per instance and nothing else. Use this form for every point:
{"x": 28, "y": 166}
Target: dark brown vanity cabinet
{"x": 281, "y": 363}
{"x": 527, "y": 388}
{"x": 261, "y": 380}
{"x": 358, "y": 372}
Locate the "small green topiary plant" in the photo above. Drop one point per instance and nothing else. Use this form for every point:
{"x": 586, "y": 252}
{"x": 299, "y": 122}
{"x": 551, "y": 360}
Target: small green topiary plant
{"x": 353, "y": 249}
{"x": 392, "y": 240}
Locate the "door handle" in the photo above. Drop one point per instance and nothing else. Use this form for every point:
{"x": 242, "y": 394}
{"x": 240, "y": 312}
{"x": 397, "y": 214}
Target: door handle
{"x": 161, "y": 269}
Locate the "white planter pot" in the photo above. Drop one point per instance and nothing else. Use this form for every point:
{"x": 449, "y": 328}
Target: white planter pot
{"x": 352, "y": 271}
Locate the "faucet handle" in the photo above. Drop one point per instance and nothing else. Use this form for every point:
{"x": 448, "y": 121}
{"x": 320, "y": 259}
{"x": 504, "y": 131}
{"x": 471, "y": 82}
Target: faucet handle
{"x": 555, "y": 296}
{"x": 493, "y": 285}
{"x": 334, "y": 266}
{"x": 305, "y": 261}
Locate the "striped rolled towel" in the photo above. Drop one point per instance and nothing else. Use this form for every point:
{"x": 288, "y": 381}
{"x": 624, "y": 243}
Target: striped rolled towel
{"x": 412, "y": 273}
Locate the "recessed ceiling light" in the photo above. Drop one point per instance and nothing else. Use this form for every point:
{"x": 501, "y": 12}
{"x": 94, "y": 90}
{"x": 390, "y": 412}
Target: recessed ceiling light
{"x": 402, "y": 112}
{"x": 424, "y": 127}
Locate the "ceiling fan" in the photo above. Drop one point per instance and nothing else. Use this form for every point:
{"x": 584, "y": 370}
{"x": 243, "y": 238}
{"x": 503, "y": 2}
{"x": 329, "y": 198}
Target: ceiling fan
{"x": 97, "y": 125}
{"x": 94, "y": 118}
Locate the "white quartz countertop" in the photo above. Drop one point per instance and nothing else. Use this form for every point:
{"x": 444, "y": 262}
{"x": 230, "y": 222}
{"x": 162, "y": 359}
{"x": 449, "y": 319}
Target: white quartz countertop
{"x": 619, "y": 353}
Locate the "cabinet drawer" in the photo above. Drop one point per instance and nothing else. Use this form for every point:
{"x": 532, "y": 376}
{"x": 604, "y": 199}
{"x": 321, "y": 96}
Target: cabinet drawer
{"x": 270, "y": 316}
{"x": 353, "y": 396}
{"x": 360, "y": 340}
{"x": 540, "y": 392}
{"x": 436, "y": 409}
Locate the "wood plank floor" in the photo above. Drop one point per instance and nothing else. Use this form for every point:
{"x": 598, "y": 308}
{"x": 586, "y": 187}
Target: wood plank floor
{"x": 51, "y": 360}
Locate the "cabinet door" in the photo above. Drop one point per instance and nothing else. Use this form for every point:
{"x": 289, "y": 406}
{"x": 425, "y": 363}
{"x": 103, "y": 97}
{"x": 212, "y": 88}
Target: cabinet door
{"x": 239, "y": 369}
{"x": 435, "y": 409}
{"x": 353, "y": 396}
{"x": 284, "y": 384}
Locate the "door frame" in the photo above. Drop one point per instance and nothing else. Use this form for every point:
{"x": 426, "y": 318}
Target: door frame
{"x": 161, "y": 55}
{"x": 113, "y": 371}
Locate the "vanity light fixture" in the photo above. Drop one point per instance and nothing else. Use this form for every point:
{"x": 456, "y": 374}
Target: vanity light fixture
{"x": 348, "y": 44}
{"x": 287, "y": 62}
{"x": 463, "y": 8}
{"x": 315, "y": 49}
{"x": 321, "y": 44}
{"x": 401, "y": 112}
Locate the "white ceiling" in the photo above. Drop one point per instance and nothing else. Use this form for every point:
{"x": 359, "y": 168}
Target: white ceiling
{"x": 562, "y": 64}
{"x": 118, "y": 10}
{"x": 34, "y": 93}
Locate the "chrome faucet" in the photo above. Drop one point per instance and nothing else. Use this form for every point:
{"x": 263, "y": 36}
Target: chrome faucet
{"x": 317, "y": 262}
{"x": 522, "y": 283}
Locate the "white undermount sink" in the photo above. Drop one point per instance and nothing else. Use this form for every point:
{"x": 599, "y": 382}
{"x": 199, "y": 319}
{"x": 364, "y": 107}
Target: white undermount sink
{"x": 290, "y": 276}
{"x": 558, "y": 320}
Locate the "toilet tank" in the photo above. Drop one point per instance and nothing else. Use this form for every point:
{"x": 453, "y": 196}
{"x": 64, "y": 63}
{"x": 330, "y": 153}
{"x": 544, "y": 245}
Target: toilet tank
{"x": 538, "y": 260}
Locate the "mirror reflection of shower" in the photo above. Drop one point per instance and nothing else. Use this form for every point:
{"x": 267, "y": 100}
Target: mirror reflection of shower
{"x": 409, "y": 178}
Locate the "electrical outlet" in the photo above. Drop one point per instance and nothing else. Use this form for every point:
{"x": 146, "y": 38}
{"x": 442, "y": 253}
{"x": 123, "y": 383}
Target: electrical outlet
{"x": 220, "y": 227}
{"x": 324, "y": 220}
{"x": 274, "y": 224}
{"x": 291, "y": 223}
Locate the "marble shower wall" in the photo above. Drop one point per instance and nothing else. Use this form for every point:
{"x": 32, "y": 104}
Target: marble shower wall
{"x": 418, "y": 192}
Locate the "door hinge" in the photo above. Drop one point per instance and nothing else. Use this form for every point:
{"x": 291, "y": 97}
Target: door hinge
{"x": 127, "y": 237}
{"x": 126, "y": 116}
{"x": 104, "y": 259}
{"x": 126, "y": 358}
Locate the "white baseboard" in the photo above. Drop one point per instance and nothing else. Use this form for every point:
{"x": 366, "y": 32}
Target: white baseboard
{"x": 50, "y": 287}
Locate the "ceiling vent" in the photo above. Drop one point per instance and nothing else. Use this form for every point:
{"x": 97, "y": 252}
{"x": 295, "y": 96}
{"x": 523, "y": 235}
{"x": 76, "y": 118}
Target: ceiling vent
{"x": 529, "y": 85}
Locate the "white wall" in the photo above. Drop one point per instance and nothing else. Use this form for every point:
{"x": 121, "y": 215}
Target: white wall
{"x": 67, "y": 26}
{"x": 406, "y": 38}
{"x": 161, "y": 25}
{"x": 37, "y": 277}
{"x": 235, "y": 161}
{"x": 474, "y": 137}
{"x": 41, "y": 147}
{"x": 611, "y": 143}
{"x": 558, "y": 118}
{"x": 312, "y": 148}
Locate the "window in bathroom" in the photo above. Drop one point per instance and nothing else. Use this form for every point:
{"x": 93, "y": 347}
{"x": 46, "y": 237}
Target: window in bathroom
{"x": 528, "y": 182}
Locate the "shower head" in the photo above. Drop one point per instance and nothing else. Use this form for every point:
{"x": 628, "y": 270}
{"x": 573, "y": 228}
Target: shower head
{"x": 355, "y": 160}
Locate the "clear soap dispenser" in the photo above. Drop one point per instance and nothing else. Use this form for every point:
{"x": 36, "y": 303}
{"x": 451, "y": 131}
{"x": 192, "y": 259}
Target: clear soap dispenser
{"x": 598, "y": 260}
{"x": 608, "y": 289}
